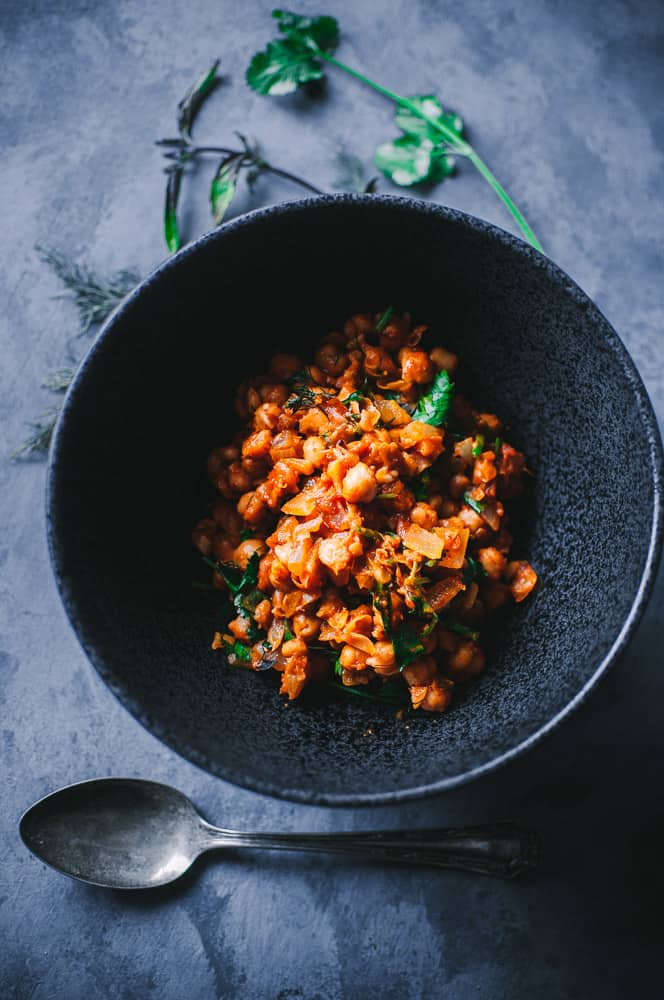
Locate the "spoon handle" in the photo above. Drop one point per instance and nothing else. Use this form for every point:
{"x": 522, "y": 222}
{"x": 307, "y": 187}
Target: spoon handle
{"x": 502, "y": 849}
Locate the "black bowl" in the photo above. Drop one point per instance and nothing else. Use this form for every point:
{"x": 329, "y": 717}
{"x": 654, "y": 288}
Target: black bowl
{"x": 155, "y": 394}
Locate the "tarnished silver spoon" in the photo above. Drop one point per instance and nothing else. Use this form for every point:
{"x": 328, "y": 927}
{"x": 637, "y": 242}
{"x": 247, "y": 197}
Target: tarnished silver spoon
{"x": 123, "y": 833}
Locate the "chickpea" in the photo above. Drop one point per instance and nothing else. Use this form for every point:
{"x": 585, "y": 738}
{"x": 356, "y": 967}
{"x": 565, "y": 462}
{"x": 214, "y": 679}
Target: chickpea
{"x": 274, "y": 394}
{"x": 253, "y": 400}
{"x": 267, "y": 416}
{"x": 438, "y": 696}
{"x": 313, "y": 450}
{"x": 250, "y": 507}
{"x": 306, "y": 626}
{"x": 424, "y": 514}
{"x": 448, "y": 508}
{"x": 294, "y": 647}
{"x": 257, "y": 444}
{"x": 283, "y": 366}
{"x": 493, "y": 562}
{"x": 383, "y": 660}
{"x": 245, "y": 550}
{"x": 263, "y": 613}
{"x": 238, "y": 478}
{"x": 352, "y": 659}
{"x": 415, "y": 365}
{"x": 458, "y": 486}
{"x": 468, "y": 661}
{"x": 203, "y": 534}
{"x": 420, "y": 671}
{"x": 359, "y": 484}
{"x": 331, "y": 359}
{"x": 470, "y": 519}
{"x": 443, "y": 359}
{"x": 222, "y": 548}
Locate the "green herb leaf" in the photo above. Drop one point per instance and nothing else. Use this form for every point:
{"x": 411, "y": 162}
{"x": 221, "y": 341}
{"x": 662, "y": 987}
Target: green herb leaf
{"x": 282, "y": 68}
{"x": 171, "y": 232}
{"x": 191, "y": 103}
{"x": 412, "y": 124}
{"x": 246, "y": 534}
{"x": 464, "y": 630}
{"x": 476, "y": 505}
{"x": 223, "y": 186}
{"x": 478, "y": 447}
{"x": 338, "y": 669}
{"x": 411, "y": 160}
{"x": 384, "y": 319}
{"x": 320, "y": 32}
{"x": 236, "y": 580}
{"x": 237, "y": 650}
{"x": 474, "y": 571}
{"x": 290, "y": 61}
{"x": 421, "y": 485}
{"x": 391, "y": 696}
{"x": 408, "y": 646}
{"x": 434, "y": 407}
{"x": 495, "y": 447}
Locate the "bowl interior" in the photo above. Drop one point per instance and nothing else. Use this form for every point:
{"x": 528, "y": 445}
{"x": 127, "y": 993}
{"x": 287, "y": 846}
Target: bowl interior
{"x": 156, "y": 395}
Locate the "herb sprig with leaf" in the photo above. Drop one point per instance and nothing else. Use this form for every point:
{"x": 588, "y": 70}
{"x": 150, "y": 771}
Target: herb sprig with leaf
{"x": 232, "y": 163}
{"x": 431, "y": 135}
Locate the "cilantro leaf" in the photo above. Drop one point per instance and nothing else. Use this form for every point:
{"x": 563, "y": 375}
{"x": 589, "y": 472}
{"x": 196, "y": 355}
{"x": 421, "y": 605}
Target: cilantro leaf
{"x": 288, "y": 62}
{"x": 476, "y": 505}
{"x": 408, "y": 646}
{"x": 475, "y": 571}
{"x": 236, "y": 580}
{"x": 434, "y": 407}
{"x": 412, "y": 124}
{"x": 478, "y": 447}
{"x": 384, "y": 319}
{"x": 420, "y": 155}
{"x": 411, "y": 160}
{"x": 223, "y": 186}
{"x": 421, "y": 485}
{"x": 237, "y": 650}
{"x": 464, "y": 630}
{"x": 190, "y": 104}
{"x": 320, "y": 32}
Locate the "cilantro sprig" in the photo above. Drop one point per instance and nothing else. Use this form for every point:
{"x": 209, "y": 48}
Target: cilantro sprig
{"x": 434, "y": 406}
{"x": 298, "y": 55}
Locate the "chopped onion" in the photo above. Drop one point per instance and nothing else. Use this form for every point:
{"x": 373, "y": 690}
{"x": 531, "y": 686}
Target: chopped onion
{"x": 426, "y": 543}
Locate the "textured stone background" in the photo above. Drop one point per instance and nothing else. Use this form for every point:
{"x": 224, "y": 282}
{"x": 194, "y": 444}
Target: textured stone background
{"x": 565, "y": 101}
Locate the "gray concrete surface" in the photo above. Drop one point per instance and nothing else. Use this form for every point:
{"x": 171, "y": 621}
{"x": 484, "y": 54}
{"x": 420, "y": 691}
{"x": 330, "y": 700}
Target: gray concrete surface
{"x": 564, "y": 100}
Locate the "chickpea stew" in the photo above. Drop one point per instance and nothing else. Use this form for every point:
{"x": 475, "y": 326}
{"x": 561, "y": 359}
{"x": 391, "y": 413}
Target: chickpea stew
{"x": 361, "y": 533}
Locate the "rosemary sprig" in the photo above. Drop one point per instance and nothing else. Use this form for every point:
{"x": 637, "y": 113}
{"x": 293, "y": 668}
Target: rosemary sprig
{"x": 60, "y": 380}
{"x": 95, "y": 297}
{"x": 39, "y": 439}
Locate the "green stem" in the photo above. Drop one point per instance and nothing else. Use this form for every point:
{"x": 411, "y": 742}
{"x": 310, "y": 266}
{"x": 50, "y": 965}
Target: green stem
{"x": 460, "y": 146}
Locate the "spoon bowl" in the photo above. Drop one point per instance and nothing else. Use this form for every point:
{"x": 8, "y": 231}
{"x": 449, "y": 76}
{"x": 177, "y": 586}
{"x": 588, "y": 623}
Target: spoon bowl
{"x": 119, "y": 833}
{"x": 126, "y": 833}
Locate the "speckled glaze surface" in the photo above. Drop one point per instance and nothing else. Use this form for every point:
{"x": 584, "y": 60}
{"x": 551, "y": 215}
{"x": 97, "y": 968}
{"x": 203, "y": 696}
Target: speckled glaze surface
{"x": 126, "y": 483}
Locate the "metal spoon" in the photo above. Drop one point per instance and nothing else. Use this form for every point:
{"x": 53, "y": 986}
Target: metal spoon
{"x": 123, "y": 833}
